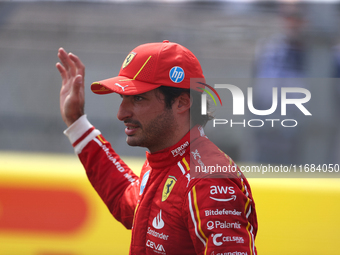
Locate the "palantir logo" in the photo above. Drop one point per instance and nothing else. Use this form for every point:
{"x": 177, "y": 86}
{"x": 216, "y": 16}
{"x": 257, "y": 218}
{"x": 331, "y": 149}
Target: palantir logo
{"x": 210, "y": 225}
{"x": 177, "y": 74}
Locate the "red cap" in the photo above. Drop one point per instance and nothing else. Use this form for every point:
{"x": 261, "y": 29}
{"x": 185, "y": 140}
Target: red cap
{"x": 150, "y": 66}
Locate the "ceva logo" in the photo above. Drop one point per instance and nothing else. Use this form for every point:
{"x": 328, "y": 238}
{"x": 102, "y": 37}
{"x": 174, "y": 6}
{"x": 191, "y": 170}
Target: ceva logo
{"x": 158, "y": 248}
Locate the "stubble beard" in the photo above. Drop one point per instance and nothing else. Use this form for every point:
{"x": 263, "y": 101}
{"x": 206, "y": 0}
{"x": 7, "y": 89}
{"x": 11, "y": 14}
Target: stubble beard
{"x": 157, "y": 133}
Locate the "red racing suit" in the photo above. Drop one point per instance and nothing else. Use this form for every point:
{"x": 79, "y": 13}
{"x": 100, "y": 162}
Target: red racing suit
{"x": 170, "y": 210}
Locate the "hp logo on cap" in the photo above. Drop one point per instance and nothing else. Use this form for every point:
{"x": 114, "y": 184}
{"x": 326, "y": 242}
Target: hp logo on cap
{"x": 176, "y": 74}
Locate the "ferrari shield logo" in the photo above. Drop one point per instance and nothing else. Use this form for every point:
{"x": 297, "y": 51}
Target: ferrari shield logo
{"x": 128, "y": 59}
{"x": 168, "y": 186}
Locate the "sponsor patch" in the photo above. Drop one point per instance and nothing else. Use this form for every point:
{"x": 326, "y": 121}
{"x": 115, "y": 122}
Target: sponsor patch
{"x": 158, "y": 248}
{"x": 144, "y": 181}
{"x": 158, "y": 222}
{"x": 222, "y": 190}
{"x": 222, "y": 212}
{"x": 176, "y": 74}
{"x": 180, "y": 150}
{"x": 222, "y": 224}
{"x": 122, "y": 87}
{"x": 158, "y": 235}
{"x": 219, "y": 239}
{"x": 168, "y": 186}
{"x": 230, "y": 253}
{"x": 128, "y": 59}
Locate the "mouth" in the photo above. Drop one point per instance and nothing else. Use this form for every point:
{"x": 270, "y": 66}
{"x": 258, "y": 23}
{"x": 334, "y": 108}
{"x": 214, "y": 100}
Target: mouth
{"x": 131, "y": 129}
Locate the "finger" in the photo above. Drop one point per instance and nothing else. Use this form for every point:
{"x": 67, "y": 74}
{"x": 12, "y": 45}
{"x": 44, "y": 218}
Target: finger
{"x": 79, "y": 65}
{"x": 66, "y": 61}
{"x": 62, "y": 55}
{"x": 61, "y": 70}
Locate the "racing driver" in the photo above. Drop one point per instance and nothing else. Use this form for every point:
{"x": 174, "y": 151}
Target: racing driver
{"x": 171, "y": 208}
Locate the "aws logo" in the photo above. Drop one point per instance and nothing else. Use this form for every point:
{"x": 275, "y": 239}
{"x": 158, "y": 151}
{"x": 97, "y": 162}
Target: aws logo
{"x": 221, "y": 191}
{"x": 204, "y": 98}
{"x": 168, "y": 186}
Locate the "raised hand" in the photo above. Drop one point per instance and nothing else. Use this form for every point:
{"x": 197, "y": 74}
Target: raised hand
{"x": 72, "y": 95}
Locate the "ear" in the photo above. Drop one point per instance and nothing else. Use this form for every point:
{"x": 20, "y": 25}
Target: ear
{"x": 182, "y": 103}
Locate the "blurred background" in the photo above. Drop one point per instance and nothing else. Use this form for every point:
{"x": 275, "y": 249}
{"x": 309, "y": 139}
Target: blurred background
{"x": 262, "y": 44}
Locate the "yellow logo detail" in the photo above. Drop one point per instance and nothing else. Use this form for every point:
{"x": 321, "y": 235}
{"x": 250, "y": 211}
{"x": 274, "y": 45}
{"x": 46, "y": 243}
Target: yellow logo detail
{"x": 128, "y": 59}
{"x": 168, "y": 186}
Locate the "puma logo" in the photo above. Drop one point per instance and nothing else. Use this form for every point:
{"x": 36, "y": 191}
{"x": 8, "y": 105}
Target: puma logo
{"x": 122, "y": 87}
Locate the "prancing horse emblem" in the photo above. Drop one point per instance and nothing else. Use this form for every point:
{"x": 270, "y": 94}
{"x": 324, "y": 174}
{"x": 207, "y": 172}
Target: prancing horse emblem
{"x": 128, "y": 59}
{"x": 168, "y": 186}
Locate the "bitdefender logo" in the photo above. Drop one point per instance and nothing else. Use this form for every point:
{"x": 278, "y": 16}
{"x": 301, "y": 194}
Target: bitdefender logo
{"x": 238, "y": 106}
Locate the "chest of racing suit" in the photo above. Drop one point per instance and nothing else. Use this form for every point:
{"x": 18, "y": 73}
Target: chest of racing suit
{"x": 182, "y": 203}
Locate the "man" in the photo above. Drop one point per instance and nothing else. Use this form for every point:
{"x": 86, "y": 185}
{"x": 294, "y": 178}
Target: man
{"x": 280, "y": 62}
{"x": 169, "y": 210}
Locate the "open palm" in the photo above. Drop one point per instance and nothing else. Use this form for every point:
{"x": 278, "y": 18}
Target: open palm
{"x": 72, "y": 95}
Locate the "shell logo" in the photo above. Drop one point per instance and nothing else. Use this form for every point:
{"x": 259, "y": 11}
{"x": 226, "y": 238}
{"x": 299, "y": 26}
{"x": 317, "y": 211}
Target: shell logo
{"x": 41, "y": 210}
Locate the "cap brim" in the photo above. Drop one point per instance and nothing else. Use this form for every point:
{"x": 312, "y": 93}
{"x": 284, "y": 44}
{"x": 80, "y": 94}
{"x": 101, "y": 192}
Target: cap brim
{"x": 122, "y": 85}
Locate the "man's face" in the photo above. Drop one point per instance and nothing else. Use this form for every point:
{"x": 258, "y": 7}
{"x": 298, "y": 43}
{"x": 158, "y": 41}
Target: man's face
{"x": 293, "y": 26}
{"x": 148, "y": 122}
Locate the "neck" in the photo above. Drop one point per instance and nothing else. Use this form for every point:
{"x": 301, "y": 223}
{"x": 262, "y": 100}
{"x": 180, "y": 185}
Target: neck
{"x": 174, "y": 136}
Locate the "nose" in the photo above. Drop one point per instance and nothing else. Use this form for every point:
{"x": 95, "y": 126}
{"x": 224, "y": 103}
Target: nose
{"x": 124, "y": 111}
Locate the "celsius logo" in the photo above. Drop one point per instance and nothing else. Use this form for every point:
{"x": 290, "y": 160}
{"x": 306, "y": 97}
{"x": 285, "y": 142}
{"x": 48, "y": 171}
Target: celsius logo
{"x": 221, "y": 239}
{"x": 217, "y": 243}
{"x": 177, "y": 74}
{"x": 158, "y": 222}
